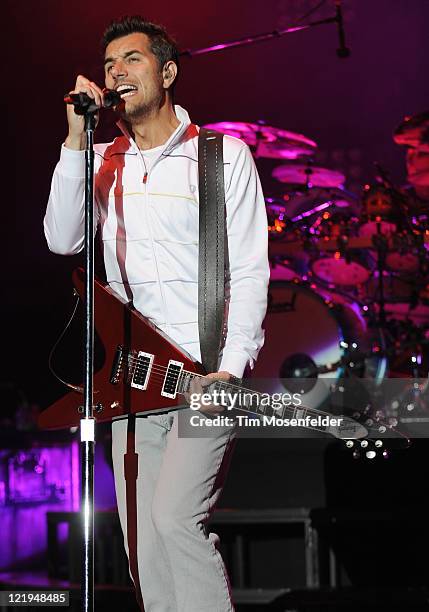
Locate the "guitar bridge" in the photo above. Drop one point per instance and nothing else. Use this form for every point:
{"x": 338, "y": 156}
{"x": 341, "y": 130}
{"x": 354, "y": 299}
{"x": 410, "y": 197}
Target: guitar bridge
{"x": 117, "y": 366}
{"x": 134, "y": 366}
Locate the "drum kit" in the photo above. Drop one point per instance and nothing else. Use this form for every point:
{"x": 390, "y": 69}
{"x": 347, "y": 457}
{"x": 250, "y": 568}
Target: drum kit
{"x": 349, "y": 293}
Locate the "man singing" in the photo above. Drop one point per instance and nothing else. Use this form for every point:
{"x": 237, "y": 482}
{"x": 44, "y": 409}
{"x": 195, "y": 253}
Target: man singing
{"x": 146, "y": 209}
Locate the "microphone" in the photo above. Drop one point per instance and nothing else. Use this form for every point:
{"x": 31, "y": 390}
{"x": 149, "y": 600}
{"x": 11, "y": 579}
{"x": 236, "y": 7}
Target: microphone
{"x": 84, "y": 104}
{"x": 342, "y": 50}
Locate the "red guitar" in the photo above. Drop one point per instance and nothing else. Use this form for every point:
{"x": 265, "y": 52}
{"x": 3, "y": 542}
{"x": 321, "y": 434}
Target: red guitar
{"x": 144, "y": 371}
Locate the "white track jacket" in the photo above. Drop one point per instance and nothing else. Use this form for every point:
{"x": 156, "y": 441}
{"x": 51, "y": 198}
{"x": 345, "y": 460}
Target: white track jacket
{"x": 150, "y": 230}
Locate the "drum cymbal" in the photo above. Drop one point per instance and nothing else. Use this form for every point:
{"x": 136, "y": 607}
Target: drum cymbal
{"x": 301, "y": 205}
{"x": 413, "y": 131}
{"x": 267, "y": 141}
{"x": 313, "y": 176}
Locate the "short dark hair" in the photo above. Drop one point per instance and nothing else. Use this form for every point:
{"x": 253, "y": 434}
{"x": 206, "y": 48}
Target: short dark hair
{"x": 162, "y": 45}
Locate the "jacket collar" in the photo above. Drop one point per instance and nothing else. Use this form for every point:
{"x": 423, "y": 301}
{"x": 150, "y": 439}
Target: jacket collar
{"x": 175, "y": 137}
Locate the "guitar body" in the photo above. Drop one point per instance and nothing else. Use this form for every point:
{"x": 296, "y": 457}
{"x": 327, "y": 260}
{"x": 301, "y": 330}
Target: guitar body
{"x": 128, "y": 382}
{"x": 145, "y": 371}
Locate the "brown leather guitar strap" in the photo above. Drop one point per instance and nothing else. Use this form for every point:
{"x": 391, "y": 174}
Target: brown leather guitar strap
{"x": 211, "y": 268}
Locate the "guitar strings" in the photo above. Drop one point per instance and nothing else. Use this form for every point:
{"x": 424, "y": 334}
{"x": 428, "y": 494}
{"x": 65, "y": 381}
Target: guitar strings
{"x": 157, "y": 375}
{"x": 159, "y": 379}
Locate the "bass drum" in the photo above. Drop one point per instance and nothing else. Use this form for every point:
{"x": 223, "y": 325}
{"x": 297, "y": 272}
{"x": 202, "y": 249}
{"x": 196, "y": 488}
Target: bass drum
{"x": 304, "y": 331}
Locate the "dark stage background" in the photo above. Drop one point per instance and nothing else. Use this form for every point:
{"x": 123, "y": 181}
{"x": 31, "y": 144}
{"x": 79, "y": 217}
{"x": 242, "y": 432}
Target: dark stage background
{"x": 349, "y": 106}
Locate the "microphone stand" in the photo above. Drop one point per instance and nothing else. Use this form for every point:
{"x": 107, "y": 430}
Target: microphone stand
{"x": 87, "y": 423}
{"x": 86, "y": 107}
{"x": 249, "y": 40}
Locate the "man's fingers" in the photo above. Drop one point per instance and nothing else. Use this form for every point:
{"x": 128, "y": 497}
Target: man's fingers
{"x": 84, "y": 85}
{"x": 195, "y": 386}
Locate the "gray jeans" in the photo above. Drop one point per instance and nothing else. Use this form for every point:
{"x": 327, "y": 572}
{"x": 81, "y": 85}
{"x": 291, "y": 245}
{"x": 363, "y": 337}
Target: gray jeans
{"x": 179, "y": 482}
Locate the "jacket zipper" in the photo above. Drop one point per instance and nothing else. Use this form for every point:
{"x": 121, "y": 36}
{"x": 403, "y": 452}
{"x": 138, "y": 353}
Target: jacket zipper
{"x": 146, "y": 213}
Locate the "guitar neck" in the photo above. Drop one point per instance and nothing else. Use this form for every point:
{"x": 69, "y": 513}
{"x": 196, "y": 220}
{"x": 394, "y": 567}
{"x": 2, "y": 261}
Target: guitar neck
{"x": 261, "y": 404}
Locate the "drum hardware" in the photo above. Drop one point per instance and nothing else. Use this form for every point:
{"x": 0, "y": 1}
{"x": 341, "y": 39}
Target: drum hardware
{"x": 308, "y": 176}
{"x": 381, "y": 247}
{"x": 306, "y": 208}
{"x": 413, "y": 404}
{"x": 401, "y": 205}
{"x": 266, "y": 141}
{"x": 366, "y": 265}
{"x": 308, "y": 338}
{"x": 277, "y": 220}
{"x": 339, "y": 260}
{"x": 377, "y": 201}
{"x": 282, "y": 306}
{"x": 385, "y": 204}
{"x": 313, "y": 211}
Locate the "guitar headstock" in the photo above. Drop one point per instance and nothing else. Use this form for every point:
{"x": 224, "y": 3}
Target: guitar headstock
{"x": 381, "y": 439}
{"x": 349, "y": 429}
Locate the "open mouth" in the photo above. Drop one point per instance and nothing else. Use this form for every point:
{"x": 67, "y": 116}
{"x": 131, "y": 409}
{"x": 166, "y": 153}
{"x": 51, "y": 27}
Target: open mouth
{"x": 126, "y": 90}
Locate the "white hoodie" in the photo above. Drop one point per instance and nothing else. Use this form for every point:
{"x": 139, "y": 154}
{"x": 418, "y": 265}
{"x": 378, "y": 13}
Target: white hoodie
{"x": 150, "y": 233}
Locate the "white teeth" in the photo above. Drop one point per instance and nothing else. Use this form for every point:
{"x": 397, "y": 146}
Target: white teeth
{"x": 128, "y": 94}
{"x": 127, "y": 87}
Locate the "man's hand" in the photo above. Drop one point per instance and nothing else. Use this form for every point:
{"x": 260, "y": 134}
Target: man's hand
{"x": 199, "y": 386}
{"x": 76, "y": 136}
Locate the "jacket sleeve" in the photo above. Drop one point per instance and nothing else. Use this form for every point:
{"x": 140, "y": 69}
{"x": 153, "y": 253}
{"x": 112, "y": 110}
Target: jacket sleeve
{"x": 64, "y": 221}
{"x": 248, "y": 265}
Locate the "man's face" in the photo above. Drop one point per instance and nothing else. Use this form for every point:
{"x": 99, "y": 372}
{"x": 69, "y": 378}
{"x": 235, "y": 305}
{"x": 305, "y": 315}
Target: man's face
{"x": 418, "y": 166}
{"x": 129, "y": 61}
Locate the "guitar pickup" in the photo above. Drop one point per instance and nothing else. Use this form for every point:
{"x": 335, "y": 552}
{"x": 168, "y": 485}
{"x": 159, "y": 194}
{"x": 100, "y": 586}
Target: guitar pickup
{"x": 171, "y": 380}
{"x": 141, "y": 369}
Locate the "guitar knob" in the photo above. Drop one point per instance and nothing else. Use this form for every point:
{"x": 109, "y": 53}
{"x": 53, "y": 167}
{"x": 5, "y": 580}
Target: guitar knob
{"x": 364, "y": 443}
{"x": 350, "y": 444}
{"x": 370, "y": 454}
{"x": 382, "y": 429}
{"x": 378, "y": 444}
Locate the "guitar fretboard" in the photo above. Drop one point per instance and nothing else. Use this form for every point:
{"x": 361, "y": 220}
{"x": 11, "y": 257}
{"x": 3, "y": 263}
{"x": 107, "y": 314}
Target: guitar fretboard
{"x": 248, "y": 400}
